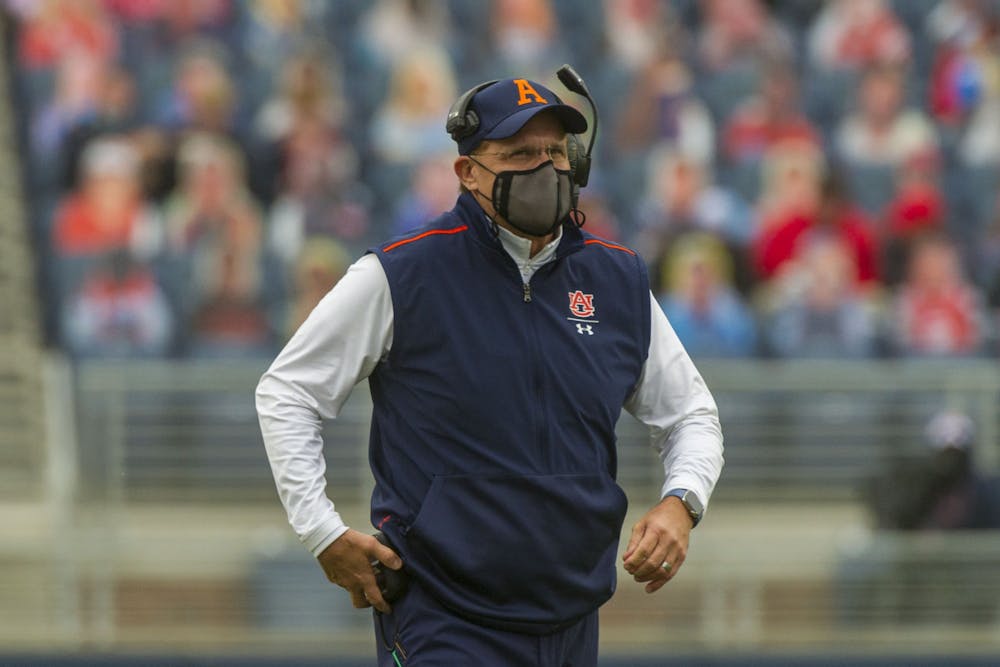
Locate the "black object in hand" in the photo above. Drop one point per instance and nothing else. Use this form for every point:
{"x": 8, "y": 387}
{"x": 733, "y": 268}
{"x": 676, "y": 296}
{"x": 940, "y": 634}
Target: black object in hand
{"x": 391, "y": 583}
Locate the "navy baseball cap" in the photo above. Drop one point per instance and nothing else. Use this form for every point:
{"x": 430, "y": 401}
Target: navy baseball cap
{"x": 504, "y": 107}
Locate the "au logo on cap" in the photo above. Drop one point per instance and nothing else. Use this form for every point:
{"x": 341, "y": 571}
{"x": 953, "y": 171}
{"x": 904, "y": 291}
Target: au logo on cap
{"x": 526, "y": 90}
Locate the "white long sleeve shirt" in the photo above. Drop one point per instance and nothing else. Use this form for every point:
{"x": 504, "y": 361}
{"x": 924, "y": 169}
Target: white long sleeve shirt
{"x": 350, "y": 331}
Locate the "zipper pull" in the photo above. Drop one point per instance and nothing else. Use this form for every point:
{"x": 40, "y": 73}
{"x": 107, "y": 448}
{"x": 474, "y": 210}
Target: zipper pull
{"x": 527, "y": 293}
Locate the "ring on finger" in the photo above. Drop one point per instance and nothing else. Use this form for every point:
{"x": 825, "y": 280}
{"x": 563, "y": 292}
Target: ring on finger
{"x": 666, "y": 565}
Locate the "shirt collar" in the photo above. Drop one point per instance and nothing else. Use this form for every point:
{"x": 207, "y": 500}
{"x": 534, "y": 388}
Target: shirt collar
{"x": 519, "y": 248}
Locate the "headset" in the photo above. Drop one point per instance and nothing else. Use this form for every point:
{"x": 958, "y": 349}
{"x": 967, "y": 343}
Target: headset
{"x": 463, "y": 121}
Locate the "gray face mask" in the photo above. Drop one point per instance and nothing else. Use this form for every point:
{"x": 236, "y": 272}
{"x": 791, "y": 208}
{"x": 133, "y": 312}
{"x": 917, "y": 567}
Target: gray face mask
{"x": 534, "y": 201}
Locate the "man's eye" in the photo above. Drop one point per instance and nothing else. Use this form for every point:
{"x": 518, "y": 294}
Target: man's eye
{"x": 520, "y": 154}
{"x": 557, "y": 152}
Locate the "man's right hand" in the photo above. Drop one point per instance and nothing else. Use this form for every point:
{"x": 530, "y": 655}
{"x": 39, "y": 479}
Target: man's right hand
{"x": 347, "y": 563}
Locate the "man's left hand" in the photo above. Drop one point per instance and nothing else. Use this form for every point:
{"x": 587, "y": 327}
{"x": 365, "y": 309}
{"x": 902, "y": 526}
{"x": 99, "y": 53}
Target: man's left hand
{"x": 659, "y": 544}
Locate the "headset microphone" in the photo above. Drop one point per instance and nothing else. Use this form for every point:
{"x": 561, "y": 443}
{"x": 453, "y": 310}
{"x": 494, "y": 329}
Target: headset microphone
{"x": 581, "y": 163}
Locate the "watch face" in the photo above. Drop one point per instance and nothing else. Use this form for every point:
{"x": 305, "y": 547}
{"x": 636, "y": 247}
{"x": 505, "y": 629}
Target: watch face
{"x": 693, "y": 504}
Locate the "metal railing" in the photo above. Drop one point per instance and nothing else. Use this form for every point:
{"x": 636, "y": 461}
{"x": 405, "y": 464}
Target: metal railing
{"x": 169, "y": 533}
{"x": 799, "y": 431}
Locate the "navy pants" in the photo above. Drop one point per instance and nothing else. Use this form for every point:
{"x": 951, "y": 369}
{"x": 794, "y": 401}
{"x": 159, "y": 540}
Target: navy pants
{"x": 421, "y": 633}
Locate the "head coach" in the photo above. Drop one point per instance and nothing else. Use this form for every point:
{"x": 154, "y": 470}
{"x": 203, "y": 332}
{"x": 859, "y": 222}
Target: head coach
{"x": 500, "y": 343}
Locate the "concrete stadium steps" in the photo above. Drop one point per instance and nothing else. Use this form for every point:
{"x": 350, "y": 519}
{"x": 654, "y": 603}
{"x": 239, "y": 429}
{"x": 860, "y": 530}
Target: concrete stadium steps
{"x": 22, "y": 409}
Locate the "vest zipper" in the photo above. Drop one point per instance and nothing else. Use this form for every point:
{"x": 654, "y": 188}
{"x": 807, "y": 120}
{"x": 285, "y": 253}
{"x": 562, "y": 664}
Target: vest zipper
{"x": 527, "y": 292}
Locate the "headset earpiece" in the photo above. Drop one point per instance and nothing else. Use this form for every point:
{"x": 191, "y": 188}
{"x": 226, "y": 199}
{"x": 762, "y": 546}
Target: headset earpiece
{"x": 577, "y": 158}
{"x": 463, "y": 121}
{"x": 579, "y": 171}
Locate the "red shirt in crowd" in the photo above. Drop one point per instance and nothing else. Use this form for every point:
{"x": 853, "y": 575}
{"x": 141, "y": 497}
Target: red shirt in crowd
{"x": 781, "y": 240}
{"x": 942, "y": 321}
{"x": 917, "y": 208}
{"x": 82, "y": 229}
{"x": 750, "y": 133}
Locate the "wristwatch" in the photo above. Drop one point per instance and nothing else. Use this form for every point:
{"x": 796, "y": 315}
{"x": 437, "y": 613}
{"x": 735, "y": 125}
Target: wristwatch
{"x": 691, "y": 502}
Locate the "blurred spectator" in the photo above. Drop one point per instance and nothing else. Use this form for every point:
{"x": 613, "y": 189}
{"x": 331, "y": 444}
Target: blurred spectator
{"x": 310, "y": 88}
{"x": 735, "y": 37}
{"x": 960, "y": 34}
{"x": 815, "y": 309}
{"x": 118, "y": 310}
{"x": 964, "y": 86}
{"x": 320, "y": 195}
{"x": 703, "y": 308}
{"x": 939, "y": 489}
{"x": 937, "y": 312}
{"x": 792, "y": 173}
{"x": 662, "y": 109}
{"x": 525, "y": 38}
{"x": 54, "y": 31}
{"x": 882, "y": 132}
{"x": 387, "y": 33}
{"x": 769, "y": 117}
{"x": 230, "y": 320}
{"x": 184, "y": 19}
{"x": 857, "y": 34}
{"x": 115, "y": 113}
{"x": 635, "y": 30}
{"x": 162, "y": 27}
{"x": 409, "y": 123}
{"x": 203, "y": 95}
{"x": 680, "y": 198}
{"x": 274, "y": 31}
{"x": 107, "y": 211}
{"x": 155, "y": 32}
{"x": 917, "y": 208}
{"x": 737, "y": 34}
{"x": 431, "y": 193}
{"x": 309, "y": 94}
{"x": 657, "y": 107}
{"x": 320, "y": 265}
{"x": 215, "y": 230}
{"x": 846, "y": 38}
{"x": 75, "y": 101}
{"x": 392, "y": 29}
{"x": 802, "y": 202}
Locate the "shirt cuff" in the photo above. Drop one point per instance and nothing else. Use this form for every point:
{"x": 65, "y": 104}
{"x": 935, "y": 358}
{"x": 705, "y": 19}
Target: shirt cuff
{"x": 323, "y": 535}
{"x": 687, "y": 484}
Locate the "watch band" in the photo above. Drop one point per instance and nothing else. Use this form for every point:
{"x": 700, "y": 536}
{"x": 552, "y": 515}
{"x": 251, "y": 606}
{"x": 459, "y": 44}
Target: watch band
{"x": 694, "y": 506}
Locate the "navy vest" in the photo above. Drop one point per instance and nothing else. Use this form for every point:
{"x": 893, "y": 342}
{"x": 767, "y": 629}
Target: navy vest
{"x": 493, "y": 431}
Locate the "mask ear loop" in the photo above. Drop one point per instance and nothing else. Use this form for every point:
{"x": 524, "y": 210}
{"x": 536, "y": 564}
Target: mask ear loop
{"x": 494, "y": 227}
{"x": 577, "y": 217}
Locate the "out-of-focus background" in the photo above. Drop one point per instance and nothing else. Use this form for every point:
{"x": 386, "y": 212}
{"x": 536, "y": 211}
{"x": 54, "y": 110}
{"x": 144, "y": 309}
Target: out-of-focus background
{"x": 814, "y": 186}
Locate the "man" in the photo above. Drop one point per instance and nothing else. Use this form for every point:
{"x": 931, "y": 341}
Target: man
{"x": 500, "y": 343}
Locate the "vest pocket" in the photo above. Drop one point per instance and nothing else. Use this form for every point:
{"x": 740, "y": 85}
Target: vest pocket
{"x": 531, "y": 549}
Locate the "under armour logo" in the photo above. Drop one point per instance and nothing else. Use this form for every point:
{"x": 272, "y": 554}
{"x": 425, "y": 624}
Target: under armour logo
{"x": 584, "y": 329}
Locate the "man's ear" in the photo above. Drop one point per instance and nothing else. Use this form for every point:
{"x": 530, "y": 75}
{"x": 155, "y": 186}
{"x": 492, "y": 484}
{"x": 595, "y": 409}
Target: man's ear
{"x": 463, "y": 169}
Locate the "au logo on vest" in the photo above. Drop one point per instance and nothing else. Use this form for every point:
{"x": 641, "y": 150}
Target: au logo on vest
{"x": 582, "y": 305}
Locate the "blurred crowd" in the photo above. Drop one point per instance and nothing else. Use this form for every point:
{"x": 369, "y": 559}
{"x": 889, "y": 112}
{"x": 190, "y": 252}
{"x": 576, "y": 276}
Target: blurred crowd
{"x": 803, "y": 178}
